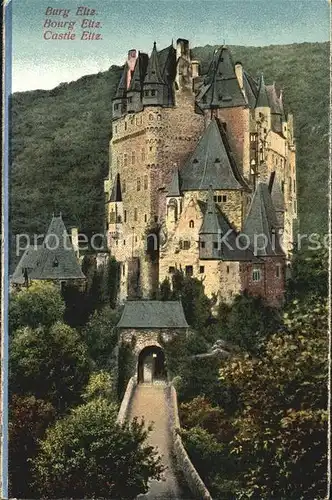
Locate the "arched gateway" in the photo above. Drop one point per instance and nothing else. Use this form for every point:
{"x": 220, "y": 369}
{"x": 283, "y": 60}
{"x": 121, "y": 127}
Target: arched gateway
{"x": 146, "y": 325}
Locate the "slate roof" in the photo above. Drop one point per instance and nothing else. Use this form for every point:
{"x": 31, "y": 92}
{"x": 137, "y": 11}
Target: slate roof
{"x": 116, "y": 194}
{"x": 122, "y": 87}
{"x": 218, "y": 225}
{"x": 174, "y": 187}
{"x": 55, "y": 259}
{"x": 220, "y": 86}
{"x": 262, "y": 99}
{"x": 153, "y": 73}
{"x": 262, "y": 220}
{"x": 138, "y": 73}
{"x": 250, "y": 88}
{"x": 211, "y": 163}
{"x": 152, "y": 314}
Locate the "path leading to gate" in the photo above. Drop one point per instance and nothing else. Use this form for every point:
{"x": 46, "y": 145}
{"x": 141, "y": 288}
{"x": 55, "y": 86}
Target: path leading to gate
{"x": 150, "y": 402}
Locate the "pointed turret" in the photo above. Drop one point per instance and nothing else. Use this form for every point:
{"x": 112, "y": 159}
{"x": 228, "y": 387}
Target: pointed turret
{"x": 261, "y": 224}
{"x": 119, "y": 101}
{"x": 277, "y": 199}
{"x": 211, "y": 221}
{"x": 154, "y": 88}
{"x": 221, "y": 87}
{"x": 135, "y": 90}
{"x": 174, "y": 187}
{"x": 262, "y": 99}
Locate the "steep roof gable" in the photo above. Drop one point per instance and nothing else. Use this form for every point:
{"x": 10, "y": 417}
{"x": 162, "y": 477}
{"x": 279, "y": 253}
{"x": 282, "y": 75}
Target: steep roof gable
{"x": 261, "y": 223}
{"x": 152, "y": 314}
{"x": 211, "y": 163}
{"x": 116, "y": 194}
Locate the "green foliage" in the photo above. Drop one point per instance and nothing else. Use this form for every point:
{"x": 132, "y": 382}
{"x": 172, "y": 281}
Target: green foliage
{"x": 101, "y": 337}
{"x": 200, "y": 412}
{"x": 88, "y": 455}
{"x": 28, "y": 420}
{"x": 308, "y": 274}
{"x": 52, "y": 363}
{"x": 280, "y": 442}
{"x": 101, "y": 385}
{"x": 165, "y": 291}
{"x": 113, "y": 277}
{"x": 39, "y": 305}
{"x": 250, "y": 322}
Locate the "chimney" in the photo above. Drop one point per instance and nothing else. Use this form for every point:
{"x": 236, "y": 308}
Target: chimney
{"x": 74, "y": 241}
{"x": 194, "y": 68}
{"x": 182, "y": 48}
{"x": 131, "y": 61}
{"x": 239, "y": 74}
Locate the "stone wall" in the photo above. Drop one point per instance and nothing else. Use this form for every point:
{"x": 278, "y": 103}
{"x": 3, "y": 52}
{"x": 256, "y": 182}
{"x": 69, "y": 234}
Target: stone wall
{"x": 271, "y": 286}
{"x": 194, "y": 481}
{"x": 126, "y": 400}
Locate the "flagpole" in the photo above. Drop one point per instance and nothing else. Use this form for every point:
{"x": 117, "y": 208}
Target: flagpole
{"x": 6, "y": 86}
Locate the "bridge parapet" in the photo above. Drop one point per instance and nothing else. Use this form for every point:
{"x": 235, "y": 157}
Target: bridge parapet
{"x": 193, "y": 479}
{"x": 126, "y": 400}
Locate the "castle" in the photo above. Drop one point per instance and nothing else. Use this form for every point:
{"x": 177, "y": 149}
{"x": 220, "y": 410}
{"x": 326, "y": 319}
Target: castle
{"x": 202, "y": 176}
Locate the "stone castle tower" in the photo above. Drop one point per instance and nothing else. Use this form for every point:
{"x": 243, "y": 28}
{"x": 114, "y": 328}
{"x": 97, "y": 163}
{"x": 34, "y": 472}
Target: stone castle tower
{"x": 190, "y": 152}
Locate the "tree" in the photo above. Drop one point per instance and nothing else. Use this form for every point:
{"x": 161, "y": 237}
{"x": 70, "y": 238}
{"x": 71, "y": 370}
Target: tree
{"x": 50, "y": 362}
{"x": 88, "y": 455}
{"x": 39, "y": 305}
{"x": 281, "y": 426}
{"x": 250, "y": 322}
{"x": 101, "y": 385}
{"x": 29, "y": 418}
{"x": 101, "y": 337}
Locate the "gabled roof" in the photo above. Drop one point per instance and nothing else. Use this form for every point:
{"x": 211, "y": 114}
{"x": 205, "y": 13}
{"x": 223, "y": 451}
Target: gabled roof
{"x": 116, "y": 194}
{"x": 211, "y": 163}
{"x": 27, "y": 261}
{"x": 221, "y": 88}
{"x": 215, "y": 223}
{"x": 153, "y": 74}
{"x": 250, "y": 90}
{"x": 152, "y": 314}
{"x": 55, "y": 259}
{"x": 262, "y": 99}
{"x": 174, "y": 187}
{"x": 167, "y": 62}
{"x": 261, "y": 223}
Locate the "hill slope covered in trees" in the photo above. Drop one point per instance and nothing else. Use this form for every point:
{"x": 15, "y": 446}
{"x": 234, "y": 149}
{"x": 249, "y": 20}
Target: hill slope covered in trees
{"x": 60, "y": 138}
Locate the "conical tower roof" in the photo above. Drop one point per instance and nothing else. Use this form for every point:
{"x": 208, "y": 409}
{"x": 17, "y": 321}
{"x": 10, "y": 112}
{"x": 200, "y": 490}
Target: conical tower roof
{"x": 153, "y": 74}
{"x": 174, "y": 187}
{"x": 262, "y": 99}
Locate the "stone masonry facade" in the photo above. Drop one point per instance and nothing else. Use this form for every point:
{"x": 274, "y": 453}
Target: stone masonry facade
{"x": 180, "y": 139}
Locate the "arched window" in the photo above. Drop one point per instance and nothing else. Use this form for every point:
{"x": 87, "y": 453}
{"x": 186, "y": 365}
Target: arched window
{"x": 150, "y": 116}
{"x": 191, "y": 224}
{"x": 138, "y": 184}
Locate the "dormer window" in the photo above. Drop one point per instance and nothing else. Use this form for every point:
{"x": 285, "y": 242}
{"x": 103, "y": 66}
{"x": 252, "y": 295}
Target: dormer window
{"x": 191, "y": 224}
{"x": 153, "y": 93}
{"x": 217, "y": 160}
{"x": 195, "y": 160}
{"x": 55, "y": 262}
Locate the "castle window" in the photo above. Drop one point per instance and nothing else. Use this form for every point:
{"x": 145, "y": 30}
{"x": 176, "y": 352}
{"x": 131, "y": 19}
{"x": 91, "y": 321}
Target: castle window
{"x": 133, "y": 157}
{"x": 195, "y": 160}
{"x": 227, "y": 269}
{"x": 126, "y": 125}
{"x": 55, "y": 262}
{"x": 217, "y": 160}
{"x": 186, "y": 245}
{"x": 219, "y": 199}
{"x": 278, "y": 271}
{"x": 130, "y": 99}
{"x": 124, "y": 269}
{"x": 125, "y": 159}
{"x": 124, "y": 243}
{"x": 145, "y": 218}
{"x": 138, "y": 184}
{"x": 256, "y": 274}
{"x": 150, "y": 148}
{"x": 135, "y": 214}
{"x": 146, "y": 93}
{"x": 135, "y": 239}
{"x": 202, "y": 244}
{"x": 283, "y": 186}
{"x": 123, "y": 186}
{"x": 125, "y": 215}
{"x": 189, "y": 270}
{"x": 150, "y": 116}
{"x": 153, "y": 93}
{"x": 171, "y": 270}
{"x": 115, "y": 128}
{"x": 118, "y": 219}
{"x": 201, "y": 269}
{"x": 145, "y": 182}
{"x": 191, "y": 224}
{"x": 159, "y": 117}
{"x": 156, "y": 218}
{"x": 224, "y": 198}
{"x": 215, "y": 198}
{"x": 215, "y": 245}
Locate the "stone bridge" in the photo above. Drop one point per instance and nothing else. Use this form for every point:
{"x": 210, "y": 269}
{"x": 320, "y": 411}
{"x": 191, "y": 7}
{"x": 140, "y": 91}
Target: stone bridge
{"x": 149, "y": 394}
